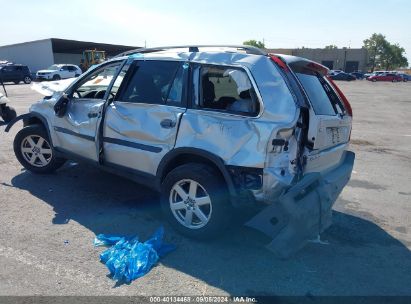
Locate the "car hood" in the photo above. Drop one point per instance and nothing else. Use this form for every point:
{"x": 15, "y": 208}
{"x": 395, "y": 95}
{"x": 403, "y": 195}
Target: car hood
{"x": 51, "y": 87}
{"x": 47, "y": 71}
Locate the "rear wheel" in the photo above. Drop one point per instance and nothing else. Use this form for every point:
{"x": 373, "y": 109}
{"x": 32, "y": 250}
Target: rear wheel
{"x": 194, "y": 199}
{"x": 27, "y": 80}
{"x": 8, "y": 113}
{"x": 33, "y": 150}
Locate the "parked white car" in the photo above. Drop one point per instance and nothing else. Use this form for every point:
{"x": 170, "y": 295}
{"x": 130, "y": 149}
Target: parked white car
{"x": 59, "y": 71}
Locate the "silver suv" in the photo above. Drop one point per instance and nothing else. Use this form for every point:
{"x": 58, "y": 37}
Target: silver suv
{"x": 210, "y": 128}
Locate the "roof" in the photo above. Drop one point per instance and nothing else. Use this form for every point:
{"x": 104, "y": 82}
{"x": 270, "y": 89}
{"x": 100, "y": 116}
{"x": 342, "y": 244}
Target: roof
{"x": 77, "y": 47}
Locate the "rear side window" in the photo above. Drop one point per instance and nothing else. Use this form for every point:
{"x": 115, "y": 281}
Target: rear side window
{"x": 154, "y": 82}
{"x": 227, "y": 89}
{"x": 322, "y": 98}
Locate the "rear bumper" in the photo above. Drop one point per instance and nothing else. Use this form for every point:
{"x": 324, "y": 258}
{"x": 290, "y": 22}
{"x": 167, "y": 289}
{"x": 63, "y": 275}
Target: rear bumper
{"x": 304, "y": 211}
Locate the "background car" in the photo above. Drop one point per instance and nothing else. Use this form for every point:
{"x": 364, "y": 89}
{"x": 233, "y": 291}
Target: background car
{"x": 15, "y": 73}
{"x": 385, "y": 77}
{"x": 59, "y": 71}
{"x": 405, "y": 77}
{"x": 358, "y": 75}
{"x": 342, "y": 76}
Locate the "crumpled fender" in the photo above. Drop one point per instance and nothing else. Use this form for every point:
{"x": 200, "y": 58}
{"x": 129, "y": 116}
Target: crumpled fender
{"x": 304, "y": 211}
{"x": 20, "y": 117}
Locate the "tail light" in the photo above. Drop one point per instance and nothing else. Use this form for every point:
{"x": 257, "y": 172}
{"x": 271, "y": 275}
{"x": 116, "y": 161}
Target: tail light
{"x": 279, "y": 62}
{"x": 344, "y": 99}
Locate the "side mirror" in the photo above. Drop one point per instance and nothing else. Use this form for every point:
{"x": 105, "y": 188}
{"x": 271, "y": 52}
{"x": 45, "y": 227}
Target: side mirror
{"x": 60, "y": 108}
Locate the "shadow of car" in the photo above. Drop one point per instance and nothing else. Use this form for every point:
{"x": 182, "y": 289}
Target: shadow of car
{"x": 360, "y": 259}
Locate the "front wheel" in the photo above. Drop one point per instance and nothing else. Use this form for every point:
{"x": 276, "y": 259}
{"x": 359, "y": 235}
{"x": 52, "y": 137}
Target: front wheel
{"x": 33, "y": 150}
{"x": 194, "y": 199}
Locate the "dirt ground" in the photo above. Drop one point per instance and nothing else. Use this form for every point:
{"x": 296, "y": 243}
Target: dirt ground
{"x": 48, "y": 223}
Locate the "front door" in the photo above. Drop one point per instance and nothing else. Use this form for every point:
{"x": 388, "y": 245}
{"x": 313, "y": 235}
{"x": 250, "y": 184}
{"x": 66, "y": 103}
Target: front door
{"x": 76, "y": 131}
{"x": 141, "y": 125}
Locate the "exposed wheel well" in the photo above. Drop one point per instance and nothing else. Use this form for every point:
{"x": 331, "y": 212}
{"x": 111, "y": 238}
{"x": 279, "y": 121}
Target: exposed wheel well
{"x": 33, "y": 121}
{"x": 185, "y": 158}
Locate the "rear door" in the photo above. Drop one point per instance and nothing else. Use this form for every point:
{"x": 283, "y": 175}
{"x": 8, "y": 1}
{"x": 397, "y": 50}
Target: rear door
{"x": 329, "y": 121}
{"x": 65, "y": 73}
{"x": 141, "y": 124}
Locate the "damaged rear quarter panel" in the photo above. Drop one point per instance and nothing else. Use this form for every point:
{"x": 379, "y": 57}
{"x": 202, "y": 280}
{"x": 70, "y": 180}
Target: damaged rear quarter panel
{"x": 242, "y": 140}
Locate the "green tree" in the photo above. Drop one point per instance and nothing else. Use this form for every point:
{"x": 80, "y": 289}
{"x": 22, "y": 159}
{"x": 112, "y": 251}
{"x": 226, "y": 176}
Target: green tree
{"x": 377, "y": 46}
{"x": 255, "y": 43}
{"x": 331, "y": 47}
{"x": 393, "y": 57}
{"x": 383, "y": 54}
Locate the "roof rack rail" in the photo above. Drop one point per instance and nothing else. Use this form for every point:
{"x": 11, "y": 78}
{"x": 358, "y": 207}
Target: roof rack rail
{"x": 194, "y": 48}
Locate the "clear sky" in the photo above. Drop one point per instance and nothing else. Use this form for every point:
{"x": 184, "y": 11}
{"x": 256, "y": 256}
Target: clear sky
{"x": 282, "y": 24}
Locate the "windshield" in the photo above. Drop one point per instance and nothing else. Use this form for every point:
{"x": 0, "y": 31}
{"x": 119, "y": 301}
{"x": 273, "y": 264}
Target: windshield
{"x": 53, "y": 67}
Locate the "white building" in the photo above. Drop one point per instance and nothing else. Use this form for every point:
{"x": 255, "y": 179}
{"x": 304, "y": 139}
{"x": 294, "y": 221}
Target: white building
{"x": 41, "y": 54}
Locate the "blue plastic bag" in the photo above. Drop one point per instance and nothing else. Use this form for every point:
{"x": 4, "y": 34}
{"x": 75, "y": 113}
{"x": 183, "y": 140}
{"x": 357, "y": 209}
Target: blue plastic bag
{"x": 130, "y": 259}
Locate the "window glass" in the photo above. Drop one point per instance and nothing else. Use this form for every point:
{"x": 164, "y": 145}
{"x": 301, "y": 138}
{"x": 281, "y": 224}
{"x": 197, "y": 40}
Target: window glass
{"x": 151, "y": 82}
{"x": 176, "y": 91}
{"x": 118, "y": 81}
{"x": 96, "y": 84}
{"x": 227, "y": 89}
{"x": 319, "y": 98}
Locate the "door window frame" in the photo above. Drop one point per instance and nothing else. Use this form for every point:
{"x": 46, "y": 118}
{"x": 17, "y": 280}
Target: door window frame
{"x": 81, "y": 80}
{"x": 128, "y": 77}
{"x": 196, "y": 90}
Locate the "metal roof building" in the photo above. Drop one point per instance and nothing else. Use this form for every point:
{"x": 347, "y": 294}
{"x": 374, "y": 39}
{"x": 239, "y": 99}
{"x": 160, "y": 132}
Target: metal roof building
{"x": 345, "y": 59}
{"x": 40, "y": 54}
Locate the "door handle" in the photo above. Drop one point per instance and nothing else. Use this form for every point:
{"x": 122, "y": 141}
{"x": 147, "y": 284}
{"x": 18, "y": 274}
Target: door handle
{"x": 167, "y": 123}
{"x": 92, "y": 114}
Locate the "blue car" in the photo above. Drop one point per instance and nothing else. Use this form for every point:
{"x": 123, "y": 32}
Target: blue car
{"x": 358, "y": 75}
{"x": 343, "y": 76}
{"x": 405, "y": 77}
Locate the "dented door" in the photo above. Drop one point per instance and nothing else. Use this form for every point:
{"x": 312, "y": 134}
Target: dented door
{"x": 76, "y": 131}
{"x": 141, "y": 125}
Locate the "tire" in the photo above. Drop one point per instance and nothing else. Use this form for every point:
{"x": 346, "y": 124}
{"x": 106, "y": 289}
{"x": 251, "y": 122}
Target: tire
{"x": 17, "y": 82}
{"x": 374, "y": 80}
{"x": 27, "y": 80}
{"x": 9, "y": 114}
{"x": 394, "y": 80}
{"x": 405, "y": 79}
{"x": 56, "y": 77}
{"x": 29, "y": 155}
{"x": 214, "y": 211}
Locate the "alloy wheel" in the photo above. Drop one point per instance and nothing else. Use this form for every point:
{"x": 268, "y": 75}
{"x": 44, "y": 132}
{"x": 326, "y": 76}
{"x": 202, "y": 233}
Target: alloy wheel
{"x": 190, "y": 204}
{"x": 36, "y": 150}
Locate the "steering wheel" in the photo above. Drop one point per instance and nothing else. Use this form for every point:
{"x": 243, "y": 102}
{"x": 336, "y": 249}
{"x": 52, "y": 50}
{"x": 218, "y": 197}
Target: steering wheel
{"x": 100, "y": 94}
